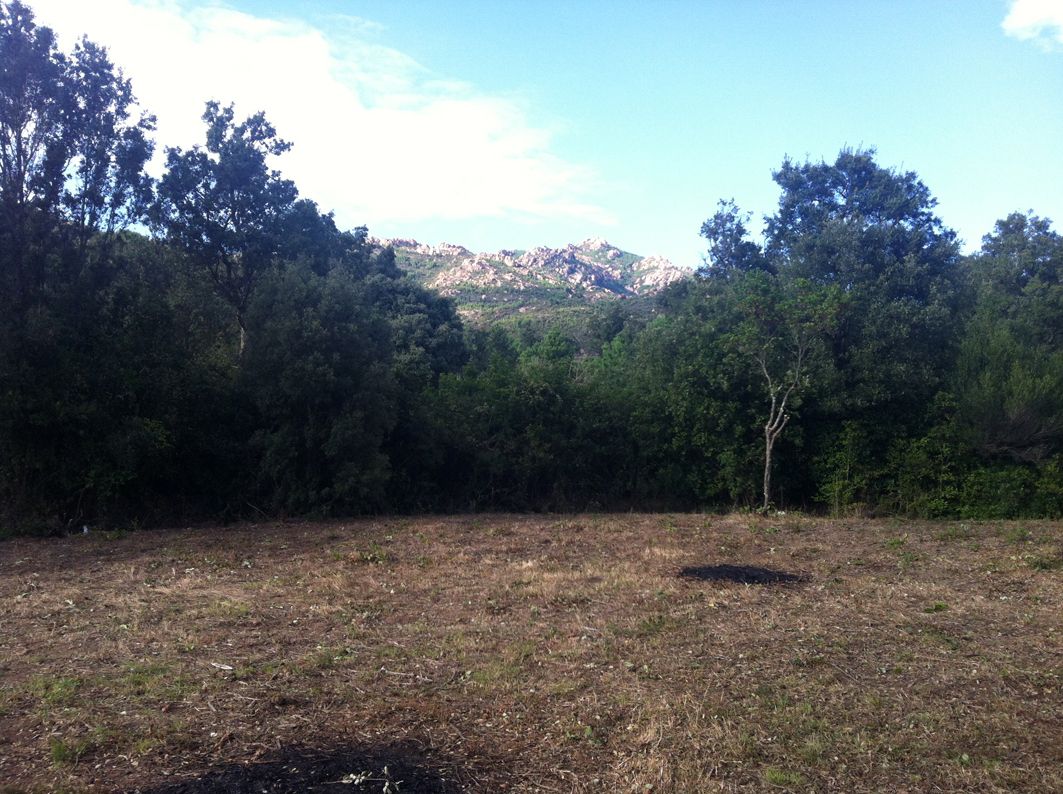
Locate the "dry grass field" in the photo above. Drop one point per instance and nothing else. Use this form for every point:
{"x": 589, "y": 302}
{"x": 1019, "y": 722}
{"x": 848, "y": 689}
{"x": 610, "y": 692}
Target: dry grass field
{"x": 626, "y": 653}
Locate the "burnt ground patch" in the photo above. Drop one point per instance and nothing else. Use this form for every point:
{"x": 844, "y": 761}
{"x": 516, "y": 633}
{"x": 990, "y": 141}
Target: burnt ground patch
{"x": 740, "y": 574}
{"x": 401, "y": 768}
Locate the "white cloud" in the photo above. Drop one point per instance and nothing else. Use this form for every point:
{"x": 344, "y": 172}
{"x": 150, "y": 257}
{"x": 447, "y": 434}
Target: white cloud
{"x": 1037, "y": 20}
{"x": 378, "y": 137}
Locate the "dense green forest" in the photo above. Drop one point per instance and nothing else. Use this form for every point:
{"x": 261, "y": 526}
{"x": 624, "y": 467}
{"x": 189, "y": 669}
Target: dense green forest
{"x": 210, "y": 345}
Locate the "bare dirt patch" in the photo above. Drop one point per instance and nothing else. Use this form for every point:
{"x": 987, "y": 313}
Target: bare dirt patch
{"x": 536, "y": 653}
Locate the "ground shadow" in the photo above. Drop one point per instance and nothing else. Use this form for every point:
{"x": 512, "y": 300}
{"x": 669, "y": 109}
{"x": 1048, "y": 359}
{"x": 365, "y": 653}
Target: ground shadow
{"x": 742, "y": 574}
{"x": 407, "y": 769}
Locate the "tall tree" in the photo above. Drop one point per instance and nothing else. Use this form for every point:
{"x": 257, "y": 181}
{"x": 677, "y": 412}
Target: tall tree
{"x": 72, "y": 152}
{"x": 226, "y": 208}
{"x": 80, "y": 325}
{"x": 872, "y": 233}
{"x": 32, "y": 138}
{"x": 1009, "y": 378}
{"x": 108, "y": 147}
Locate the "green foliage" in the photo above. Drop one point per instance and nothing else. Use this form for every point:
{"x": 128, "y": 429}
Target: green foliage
{"x": 225, "y": 208}
{"x": 316, "y": 371}
{"x": 1009, "y": 372}
{"x": 730, "y": 252}
{"x": 907, "y": 379}
{"x": 842, "y": 469}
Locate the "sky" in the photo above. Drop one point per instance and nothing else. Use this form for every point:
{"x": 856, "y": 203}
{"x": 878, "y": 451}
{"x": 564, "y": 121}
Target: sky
{"x": 507, "y": 124}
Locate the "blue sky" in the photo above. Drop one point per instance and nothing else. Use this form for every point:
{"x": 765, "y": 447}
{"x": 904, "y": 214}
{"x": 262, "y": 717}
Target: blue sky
{"x": 514, "y": 124}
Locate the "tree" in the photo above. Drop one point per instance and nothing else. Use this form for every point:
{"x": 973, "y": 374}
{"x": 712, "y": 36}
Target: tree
{"x": 1009, "y": 372}
{"x": 1022, "y": 250}
{"x": 72, "y": 155}
{"x": 107, "y": 189}
{"x": 857, "y": 266}
{"x": 321, "y": 384}
{"x": 225, "y": 208}
{"x": 31, "y": 141}
{"x": 782, "y": 323}
{"x": 730, "y": 250}
{"x": 83, "y": 338}
{"x": 872, "y": 233}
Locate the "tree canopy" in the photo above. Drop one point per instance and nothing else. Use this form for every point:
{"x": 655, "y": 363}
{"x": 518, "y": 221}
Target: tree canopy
{"x": 213, "y": 345}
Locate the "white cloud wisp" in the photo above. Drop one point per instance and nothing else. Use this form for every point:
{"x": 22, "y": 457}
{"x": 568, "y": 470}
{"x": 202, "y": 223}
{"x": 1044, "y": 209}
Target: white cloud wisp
{"x": 378, "y": 138}
{"x": 1036, "y": 20}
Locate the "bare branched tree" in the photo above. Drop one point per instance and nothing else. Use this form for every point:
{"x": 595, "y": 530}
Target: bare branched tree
{"x": 780, "y": 391}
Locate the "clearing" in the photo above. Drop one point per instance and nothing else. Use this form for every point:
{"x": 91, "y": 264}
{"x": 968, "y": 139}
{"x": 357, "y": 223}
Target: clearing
{"x": 627, "y": 653}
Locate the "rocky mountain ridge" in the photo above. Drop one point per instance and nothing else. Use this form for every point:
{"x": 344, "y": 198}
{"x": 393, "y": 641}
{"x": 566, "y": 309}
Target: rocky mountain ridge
{"x": 507, "y": 281}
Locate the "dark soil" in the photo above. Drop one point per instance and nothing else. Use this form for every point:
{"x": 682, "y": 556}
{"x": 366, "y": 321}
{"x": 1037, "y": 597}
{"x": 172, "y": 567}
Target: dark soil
{"x": 298, "y": 769}
{"x": 741, "y": 574}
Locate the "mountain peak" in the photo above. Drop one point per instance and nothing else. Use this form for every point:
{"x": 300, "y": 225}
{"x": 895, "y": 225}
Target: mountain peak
{"x": 508, "y": 281}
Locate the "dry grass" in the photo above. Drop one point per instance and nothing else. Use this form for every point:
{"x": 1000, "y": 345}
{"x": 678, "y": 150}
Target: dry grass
{"x": 560, "y": 653}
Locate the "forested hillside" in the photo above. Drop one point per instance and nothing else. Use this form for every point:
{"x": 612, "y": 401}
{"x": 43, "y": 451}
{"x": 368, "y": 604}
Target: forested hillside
{"x": 210, "y": 344}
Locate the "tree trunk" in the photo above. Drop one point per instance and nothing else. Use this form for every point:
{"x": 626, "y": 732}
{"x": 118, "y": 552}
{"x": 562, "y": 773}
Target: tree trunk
{"x": 777, "y": 416}
{"x": 772, "y": 430}
{"x": 769, "y": 442}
